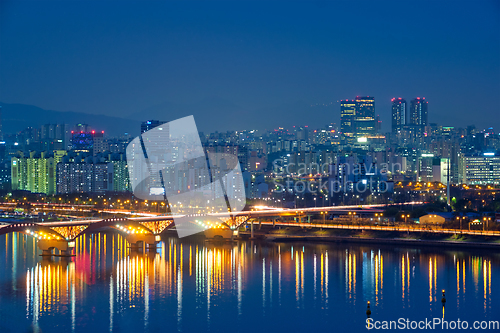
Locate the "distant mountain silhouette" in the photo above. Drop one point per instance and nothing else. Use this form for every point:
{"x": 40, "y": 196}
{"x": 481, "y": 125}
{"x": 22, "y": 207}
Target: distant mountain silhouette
{"x": 218, "y": 114}
{"x": 211, "y": 114}
{"x": 16, "y": 117}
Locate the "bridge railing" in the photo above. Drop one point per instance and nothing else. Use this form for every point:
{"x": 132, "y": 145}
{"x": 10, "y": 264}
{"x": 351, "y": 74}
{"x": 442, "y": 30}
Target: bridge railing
{"x": 85, "y": 218}
{"x": 397, "y": 227}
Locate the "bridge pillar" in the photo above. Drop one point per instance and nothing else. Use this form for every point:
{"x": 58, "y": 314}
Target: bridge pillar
{"x": 260, "y": 222}
{"x": 153, "y": 245}
{"x": 140, "y": 240}
{"x": 251, "y": 229}
{"x": 214, "y": 233}
{"x": 47, "y": 245}
{"x": 274, "y": 222}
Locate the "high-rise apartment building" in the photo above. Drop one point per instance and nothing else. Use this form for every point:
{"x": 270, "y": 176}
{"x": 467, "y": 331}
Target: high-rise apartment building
{"x": 55, "y": 136}
{"x": 36, "y": 173}
{"x": 417, "y": 114}
{"x": 100, "y": 143}
{"x": 398, "y": 113}
{"x": 83, "y": 176}
{"x": 121, "y": 182}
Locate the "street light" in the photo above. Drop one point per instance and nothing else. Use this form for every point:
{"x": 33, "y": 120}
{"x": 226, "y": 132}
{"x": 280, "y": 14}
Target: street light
{"x": 486, "y": 220}
{"x": 461, "y": 220}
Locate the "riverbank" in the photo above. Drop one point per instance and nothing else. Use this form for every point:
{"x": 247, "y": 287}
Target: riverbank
{"x": 374, "y": 237}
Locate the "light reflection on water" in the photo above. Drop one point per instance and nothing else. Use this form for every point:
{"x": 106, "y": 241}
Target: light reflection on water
{"x": 244, "y": 286}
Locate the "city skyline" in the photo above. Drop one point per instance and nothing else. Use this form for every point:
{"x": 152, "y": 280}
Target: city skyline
{"x": 129, "y": 126}
{"x": 260, "y": 166}
{"x": 222, "y": 58}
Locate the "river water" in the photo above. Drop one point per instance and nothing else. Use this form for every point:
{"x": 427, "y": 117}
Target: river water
{"x": 195, "y": 286}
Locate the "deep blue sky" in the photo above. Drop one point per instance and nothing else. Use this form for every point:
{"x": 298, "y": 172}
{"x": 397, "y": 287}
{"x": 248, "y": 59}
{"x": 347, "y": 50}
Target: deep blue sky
{"x": 120, "y": 58}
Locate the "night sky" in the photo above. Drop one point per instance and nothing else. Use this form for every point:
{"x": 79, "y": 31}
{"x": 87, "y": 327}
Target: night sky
{"x": 268, "y": 61}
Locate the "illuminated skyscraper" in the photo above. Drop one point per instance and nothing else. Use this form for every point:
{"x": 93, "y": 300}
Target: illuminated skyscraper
{"x": 481, "y": 169}
{"x": 347, "y": 113}
{"x": 418, "y": 112}
{"x": 364, "y": 119}
{"x": 398, "y": 113}
{"x": 82, "y": 141}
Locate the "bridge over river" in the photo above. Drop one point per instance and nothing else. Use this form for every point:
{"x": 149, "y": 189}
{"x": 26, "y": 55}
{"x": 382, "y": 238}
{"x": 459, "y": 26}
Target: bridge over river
{"x": 145, "y": 231}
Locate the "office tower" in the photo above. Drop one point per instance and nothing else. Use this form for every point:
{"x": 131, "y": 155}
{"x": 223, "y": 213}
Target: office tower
{"x": 347, "y": 113}
{"x": 398, "y": 113}
{"x": 418, "y": 112}
{"x": 82, "y": 141}
{"x": 364, "y": 118}
{"x": 432, "y": 169}
{"x": 481, "y": 169}
{"x": 82, "y": 138}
